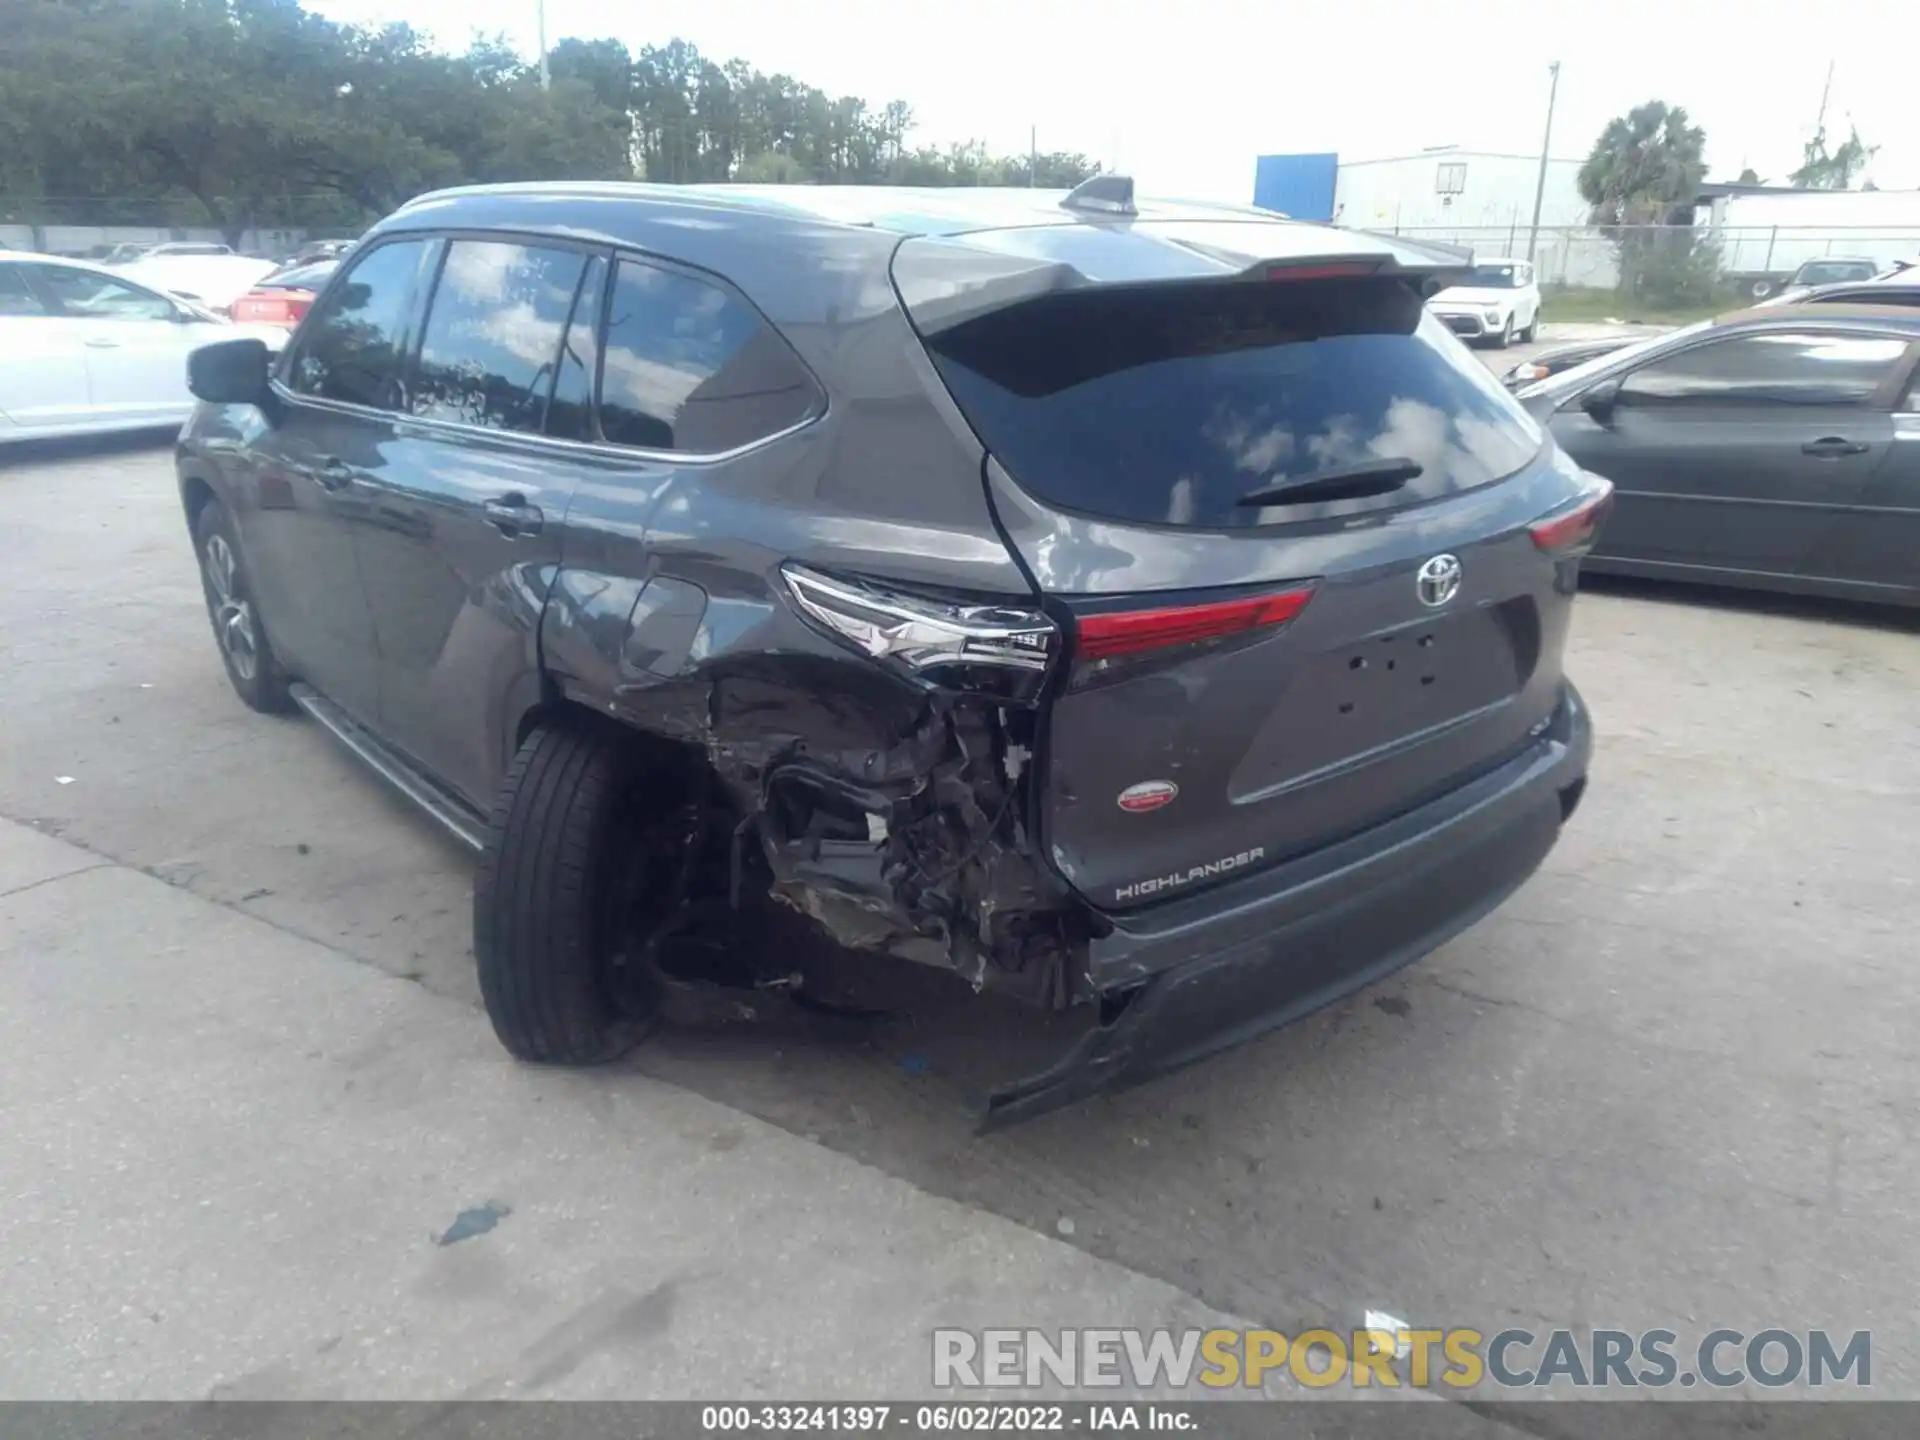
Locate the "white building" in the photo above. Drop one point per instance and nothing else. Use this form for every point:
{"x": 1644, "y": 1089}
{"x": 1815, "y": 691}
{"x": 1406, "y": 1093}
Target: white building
{"x": 1447, "y": 188}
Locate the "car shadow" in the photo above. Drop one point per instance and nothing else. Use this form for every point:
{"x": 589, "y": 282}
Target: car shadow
{"x": 1900, "y": 619}
{"x": 63, "y": 449}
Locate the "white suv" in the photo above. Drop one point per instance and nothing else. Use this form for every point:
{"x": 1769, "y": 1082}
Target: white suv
{"x": 1499, "y": 301}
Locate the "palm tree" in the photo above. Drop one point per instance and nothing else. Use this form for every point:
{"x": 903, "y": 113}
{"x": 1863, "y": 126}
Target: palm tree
{"x": 1642, "y": 176}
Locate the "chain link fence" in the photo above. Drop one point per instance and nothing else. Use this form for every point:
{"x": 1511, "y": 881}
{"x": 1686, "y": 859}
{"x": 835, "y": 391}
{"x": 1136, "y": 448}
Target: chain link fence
{"x": 1736, "y": 262}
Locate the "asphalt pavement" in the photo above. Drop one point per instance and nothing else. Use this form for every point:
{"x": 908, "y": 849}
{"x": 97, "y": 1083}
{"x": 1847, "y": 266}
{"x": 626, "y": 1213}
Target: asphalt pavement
{"x": 1670, "y": 1084}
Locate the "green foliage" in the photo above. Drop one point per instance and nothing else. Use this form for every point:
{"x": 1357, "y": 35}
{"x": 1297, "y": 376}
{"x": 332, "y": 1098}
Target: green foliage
{"x": 248, "y": 112}
{"x": 1641, "y": 179}
{"x": 1821, "y": 170}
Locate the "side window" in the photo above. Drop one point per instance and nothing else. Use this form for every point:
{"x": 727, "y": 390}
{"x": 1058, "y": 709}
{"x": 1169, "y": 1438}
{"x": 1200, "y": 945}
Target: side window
{"x": 85, "y": 295}
{"x": 570, "y": 412}
{"x": 353, "y": 345}
{"x": 1774, "y": 368}
{"x": 16, "y": 296}
{"x": 491, "y": 343}
{"x": 689, "y": 367}
{"x": 1526, "y": 275}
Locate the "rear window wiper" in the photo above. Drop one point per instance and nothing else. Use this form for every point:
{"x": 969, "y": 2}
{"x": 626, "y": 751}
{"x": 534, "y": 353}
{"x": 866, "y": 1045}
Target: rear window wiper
{"x": 1348, "y": 482}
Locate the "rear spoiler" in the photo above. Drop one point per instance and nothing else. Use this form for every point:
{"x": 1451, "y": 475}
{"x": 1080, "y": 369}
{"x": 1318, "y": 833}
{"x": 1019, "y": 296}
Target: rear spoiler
{"x": 946, "y": 280}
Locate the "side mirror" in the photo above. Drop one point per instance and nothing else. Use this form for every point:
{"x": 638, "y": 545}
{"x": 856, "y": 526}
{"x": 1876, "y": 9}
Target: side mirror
{"x": 230, "y": 372}
{"x": 1599, "y": 402}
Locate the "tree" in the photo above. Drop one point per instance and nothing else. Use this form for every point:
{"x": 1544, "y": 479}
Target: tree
{"x": 1641, "y": 179}
{"x": 239, "y": 113}
{"x": 1820, "y": 170}
{"x": 1749, "y": 176}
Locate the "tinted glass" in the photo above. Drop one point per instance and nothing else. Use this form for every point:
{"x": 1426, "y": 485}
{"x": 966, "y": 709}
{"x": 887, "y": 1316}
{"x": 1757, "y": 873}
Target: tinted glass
{"x": 1828, "y": 272}
{"x": 1167, "y": 405}
{"x": 492, "y": 335}
{"x": 84, "y": 295}
{"x": 1777, "y": 368}
{"x": 690, "y": 367}
{"x": 352, "y": 347}
{"x": 1906, "y": 296}
{"x": 300, "y": 277}
{"x": 15, "y": 296}
{"x": 570, "y": 413}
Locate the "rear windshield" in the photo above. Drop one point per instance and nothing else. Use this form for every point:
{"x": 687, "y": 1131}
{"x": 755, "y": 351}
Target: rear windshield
{"x": 1168, "y": 404}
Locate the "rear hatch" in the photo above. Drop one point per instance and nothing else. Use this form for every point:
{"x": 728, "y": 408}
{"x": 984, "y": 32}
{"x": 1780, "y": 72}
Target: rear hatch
{"x": 1251, "y": 680}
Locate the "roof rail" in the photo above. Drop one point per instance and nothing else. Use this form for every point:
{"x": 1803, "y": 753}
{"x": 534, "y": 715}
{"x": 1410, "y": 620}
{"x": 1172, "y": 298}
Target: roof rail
{"x": 1102, "y": 194}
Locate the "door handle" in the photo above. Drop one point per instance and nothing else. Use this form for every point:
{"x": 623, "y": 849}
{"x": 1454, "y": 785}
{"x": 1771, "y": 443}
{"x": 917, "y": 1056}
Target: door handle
{"x": 512, "y": 516}
{"x": 333, "y": 474}
{"x": 101, "y": 342}
{"x": 1832, "y": 447}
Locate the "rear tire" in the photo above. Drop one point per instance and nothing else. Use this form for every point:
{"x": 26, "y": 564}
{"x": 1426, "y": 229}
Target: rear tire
{"x": 553, "y": 896}
{"x": 252, "y": 667}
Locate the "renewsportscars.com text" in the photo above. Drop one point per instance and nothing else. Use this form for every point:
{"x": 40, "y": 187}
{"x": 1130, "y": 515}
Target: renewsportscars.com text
{"x": 1457, "y": 1359}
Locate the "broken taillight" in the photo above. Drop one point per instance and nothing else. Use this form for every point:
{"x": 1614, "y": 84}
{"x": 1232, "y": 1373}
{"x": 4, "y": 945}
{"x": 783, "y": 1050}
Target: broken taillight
{"x": 1572, "y": 530}
{"x": 1004, "y": 649}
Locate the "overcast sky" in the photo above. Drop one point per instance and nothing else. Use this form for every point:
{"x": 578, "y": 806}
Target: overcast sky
{"x": 1183, "y": 94}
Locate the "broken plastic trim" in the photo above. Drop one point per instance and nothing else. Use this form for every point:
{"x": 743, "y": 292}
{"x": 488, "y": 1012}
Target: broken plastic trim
{"x": 929, "y": 637}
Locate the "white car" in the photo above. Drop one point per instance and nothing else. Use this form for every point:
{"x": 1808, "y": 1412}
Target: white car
{"x": 1499, "y": 301}
{"x": 211, "y": 281}
{"x": 86, "y": 349}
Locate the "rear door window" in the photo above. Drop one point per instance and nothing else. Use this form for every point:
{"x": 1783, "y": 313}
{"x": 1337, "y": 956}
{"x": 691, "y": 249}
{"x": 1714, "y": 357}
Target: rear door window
{"x": 353, "y": 346}
{"x": 16, "y": 296}
{"x": 1769, "y": 368}
{"x": 1168, "y": 404}
{"x": 491, "y": 343}
{"x": 692, "y": 368}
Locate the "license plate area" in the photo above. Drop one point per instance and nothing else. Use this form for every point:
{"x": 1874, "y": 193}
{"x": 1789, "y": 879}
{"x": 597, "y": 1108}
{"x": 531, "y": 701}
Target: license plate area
{"x": 1388, "y": 690}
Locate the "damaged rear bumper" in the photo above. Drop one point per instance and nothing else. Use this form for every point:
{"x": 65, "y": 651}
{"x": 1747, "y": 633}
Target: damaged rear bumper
{"x": 1215, "y": 970}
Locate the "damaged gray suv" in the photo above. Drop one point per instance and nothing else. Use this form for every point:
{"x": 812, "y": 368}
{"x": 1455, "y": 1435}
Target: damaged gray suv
{"x": 1144, "y": 611}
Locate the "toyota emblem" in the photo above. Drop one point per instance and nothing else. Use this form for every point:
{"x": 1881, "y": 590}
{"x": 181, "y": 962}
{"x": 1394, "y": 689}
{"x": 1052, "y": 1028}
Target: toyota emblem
{"x": 1438, "y": 580}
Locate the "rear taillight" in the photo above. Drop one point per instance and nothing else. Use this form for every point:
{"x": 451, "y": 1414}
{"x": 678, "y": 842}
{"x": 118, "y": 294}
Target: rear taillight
{"x": 273, "y": 307}
{"x": 1572, "y": 531}
{"x": 1337, "y": 270}
{"x": 1111, "y": 634}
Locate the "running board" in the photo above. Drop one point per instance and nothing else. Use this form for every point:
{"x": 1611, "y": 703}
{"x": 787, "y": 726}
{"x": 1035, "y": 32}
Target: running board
{"x": 452, "y": 815}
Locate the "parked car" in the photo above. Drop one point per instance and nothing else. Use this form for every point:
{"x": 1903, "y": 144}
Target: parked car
{"x": 314, "y": 250}
{"x": 85, "y": 348}
{"x": 1775, "y": 448}
{"x": 1899, "y": 286}
{"x": 213, "y": 282}
{"x": 1834, "y": 270}
{"x": 1498, "y": 301}
{"x": 284, "y": 297}
{"x": 921, "y": 560}
{"x": 1552, "y": 361}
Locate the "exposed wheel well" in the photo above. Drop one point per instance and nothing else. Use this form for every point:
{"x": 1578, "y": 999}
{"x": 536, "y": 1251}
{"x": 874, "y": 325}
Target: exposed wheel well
{"x": 195, "y": 493}
{"x": 660, "y": 754}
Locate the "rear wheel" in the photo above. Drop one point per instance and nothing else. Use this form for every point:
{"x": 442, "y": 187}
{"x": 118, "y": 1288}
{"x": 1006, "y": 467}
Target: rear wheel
{"x": 251, "y": 664}
{"x": 583, "y": 863}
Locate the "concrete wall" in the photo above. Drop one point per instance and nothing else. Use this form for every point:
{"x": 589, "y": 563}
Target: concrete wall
{"x": 84, "y": 237}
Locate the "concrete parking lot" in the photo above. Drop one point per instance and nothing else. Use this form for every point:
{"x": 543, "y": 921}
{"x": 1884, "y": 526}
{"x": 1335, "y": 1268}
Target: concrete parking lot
{"x": 1672, "y": 1083}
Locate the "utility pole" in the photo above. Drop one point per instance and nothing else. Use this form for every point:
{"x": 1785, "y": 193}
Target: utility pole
{"x": 1826, "y": 90}
{"x": 546, "y": 80}
{"x": 1546, "y": 143}
{"x": 1033, "y": 156}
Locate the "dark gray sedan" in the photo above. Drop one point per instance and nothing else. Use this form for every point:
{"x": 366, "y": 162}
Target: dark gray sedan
{"x": 1775, "y": 448}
